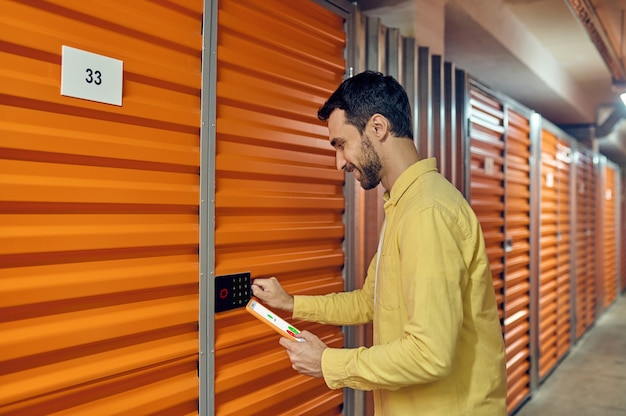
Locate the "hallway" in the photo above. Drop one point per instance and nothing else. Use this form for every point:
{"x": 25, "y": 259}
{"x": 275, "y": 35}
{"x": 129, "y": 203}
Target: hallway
{"x": 591, "y": 380}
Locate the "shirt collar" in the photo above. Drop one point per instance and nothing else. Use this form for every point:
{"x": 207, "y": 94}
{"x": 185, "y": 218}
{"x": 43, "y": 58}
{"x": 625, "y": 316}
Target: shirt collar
{"x": 406, "y": 179}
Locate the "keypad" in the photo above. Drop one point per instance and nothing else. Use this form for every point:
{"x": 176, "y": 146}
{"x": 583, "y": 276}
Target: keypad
{"x": 232, "y": 291}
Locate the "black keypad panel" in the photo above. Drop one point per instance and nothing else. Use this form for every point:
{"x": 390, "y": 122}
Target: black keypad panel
{"x": 232, "y": 291}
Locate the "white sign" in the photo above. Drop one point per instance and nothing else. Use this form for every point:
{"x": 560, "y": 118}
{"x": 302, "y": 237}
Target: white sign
{"x": 91, "y": 77}
{"x": 489, "y": 166}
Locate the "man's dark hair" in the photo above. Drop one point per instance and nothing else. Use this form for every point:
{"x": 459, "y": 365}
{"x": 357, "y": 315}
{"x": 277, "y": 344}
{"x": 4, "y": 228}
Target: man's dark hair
{"x": 366, "y": 94}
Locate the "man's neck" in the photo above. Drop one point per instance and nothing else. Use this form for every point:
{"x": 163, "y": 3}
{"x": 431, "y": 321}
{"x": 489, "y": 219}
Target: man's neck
{"x": 400, "y": 156}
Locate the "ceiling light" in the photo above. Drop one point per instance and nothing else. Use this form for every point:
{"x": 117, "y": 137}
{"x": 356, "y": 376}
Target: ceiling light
{"x": 623, "y": 97}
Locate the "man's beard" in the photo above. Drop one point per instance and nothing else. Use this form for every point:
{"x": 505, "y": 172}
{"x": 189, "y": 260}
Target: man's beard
{"x": 371, "y": 165}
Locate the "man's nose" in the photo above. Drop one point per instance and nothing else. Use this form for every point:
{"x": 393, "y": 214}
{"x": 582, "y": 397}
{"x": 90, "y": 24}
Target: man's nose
{"x": 341, "y": 162}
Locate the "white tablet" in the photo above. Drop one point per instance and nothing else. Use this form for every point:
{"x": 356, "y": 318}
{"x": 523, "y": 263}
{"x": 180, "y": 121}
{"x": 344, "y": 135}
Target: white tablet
{"x": 274, "y": 321}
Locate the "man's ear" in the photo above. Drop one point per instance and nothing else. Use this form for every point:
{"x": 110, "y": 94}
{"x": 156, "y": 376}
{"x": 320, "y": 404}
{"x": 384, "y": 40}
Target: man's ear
{"x": 379, "y": 125}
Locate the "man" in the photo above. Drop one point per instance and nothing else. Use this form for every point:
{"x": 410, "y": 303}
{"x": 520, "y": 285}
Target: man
{"x": 438, "y": 347}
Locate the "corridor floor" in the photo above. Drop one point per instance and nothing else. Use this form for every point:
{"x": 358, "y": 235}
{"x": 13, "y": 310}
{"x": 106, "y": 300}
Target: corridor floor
{"x": 591, "y": 380}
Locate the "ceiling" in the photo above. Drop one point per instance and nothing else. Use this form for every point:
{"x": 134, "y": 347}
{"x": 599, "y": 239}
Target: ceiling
{"x": 561, "y": 58}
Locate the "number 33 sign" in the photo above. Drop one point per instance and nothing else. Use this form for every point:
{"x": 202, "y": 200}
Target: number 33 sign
{"x": 91, "y": 77}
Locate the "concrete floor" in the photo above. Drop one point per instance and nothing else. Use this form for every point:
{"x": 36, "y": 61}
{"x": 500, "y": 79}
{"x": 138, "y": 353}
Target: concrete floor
{"x": 591, "y": 380}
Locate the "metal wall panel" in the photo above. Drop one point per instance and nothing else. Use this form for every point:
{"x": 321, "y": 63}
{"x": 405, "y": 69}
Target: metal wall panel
{"x": 452, "y": 129}
{"x": 424, "y": 133}
{"x": 99, "y": 212}
{"x": 460, "y": 142}
{"x": 394, "y": 54}
{"x": 278, "y": 195}
{"x": 585, "y": 240}
{"x": 517, "y": 258}
{"x": 438, "y": 114}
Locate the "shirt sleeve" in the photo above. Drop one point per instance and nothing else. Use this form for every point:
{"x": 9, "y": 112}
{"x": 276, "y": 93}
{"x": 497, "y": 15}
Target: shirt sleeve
{"x": 432, "y": 271}
{"x": 344, "y": 308}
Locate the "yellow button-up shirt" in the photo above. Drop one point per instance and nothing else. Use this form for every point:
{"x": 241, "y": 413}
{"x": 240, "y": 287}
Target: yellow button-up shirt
{"x": 438, "y": 347}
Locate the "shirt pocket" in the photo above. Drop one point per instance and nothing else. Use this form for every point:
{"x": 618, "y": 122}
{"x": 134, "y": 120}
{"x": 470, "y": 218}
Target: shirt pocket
{"x": 389, "y": 292}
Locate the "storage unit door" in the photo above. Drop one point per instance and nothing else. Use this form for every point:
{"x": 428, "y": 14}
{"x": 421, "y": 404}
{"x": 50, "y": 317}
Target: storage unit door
{"x": 622, "y": 221}
{"x": 517, "y": 263}
{"x": 99, "y": 211}
{"x": 278, "y": 195}
{"x": 487, "y": 180}
{"x": 502, "y": 204}
{"x": 610, "y": 237}
{"x": 548, "y": 286}
{"x": 585, "y": 241}
{"x": 564, "y": 238}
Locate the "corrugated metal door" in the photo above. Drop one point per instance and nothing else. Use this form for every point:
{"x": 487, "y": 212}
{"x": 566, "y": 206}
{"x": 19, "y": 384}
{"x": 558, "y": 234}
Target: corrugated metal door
{"x": 502, "y": 204}
{"x": 548, "y": 255}
{"x": 517, "y": 263}
{"x": 563, "y": 258}
{"x": 99, "y": 212}
{"x": 548, "y": 287}
{"x": 278, "y": 196}
{"x": 622, "y": 225}
{"x": 487, "y": 180}
{"x": 585, "y": 241}
{"x": 610, "y": 237}
{"x": 554, "y": 252}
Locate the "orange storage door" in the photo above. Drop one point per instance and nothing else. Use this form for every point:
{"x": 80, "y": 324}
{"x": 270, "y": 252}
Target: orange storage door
{"x": 548, "y": 286}
{"x": 610, "y": 237}
{"x": 622, "y": 220}
{"x": 502, "y": 204}
{"x": 585, "y": 241}
{"x": 278, "y": 195}
{"x": 554, "y": 252}
{"x": 517, "y": 263}
{"x": 564, "y": 238}
{"x": 99, "y": 212}
{"x": 487, "y": 180}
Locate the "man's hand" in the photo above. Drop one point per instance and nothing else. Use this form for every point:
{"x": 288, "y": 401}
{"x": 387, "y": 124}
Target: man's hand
{"x": 306, "y": 357}
{"x": 272, "y": 293}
